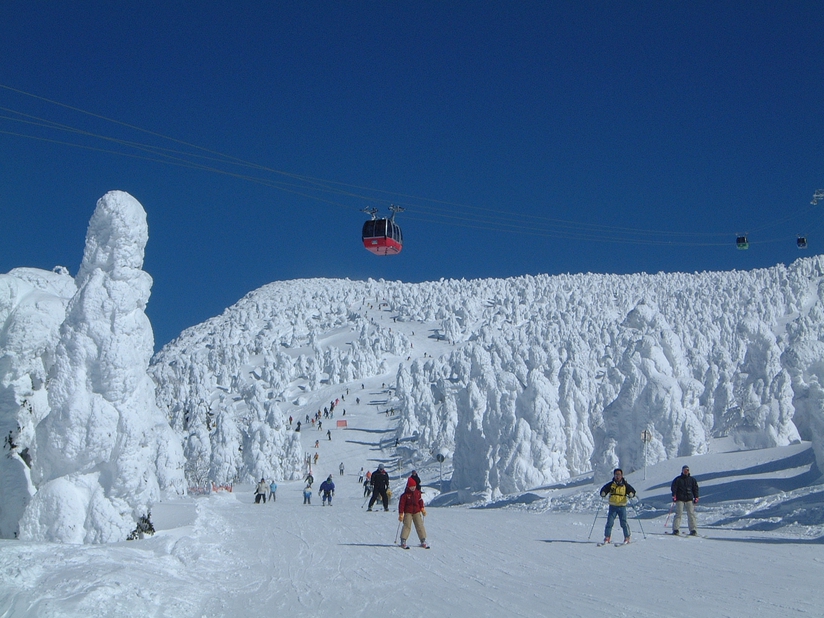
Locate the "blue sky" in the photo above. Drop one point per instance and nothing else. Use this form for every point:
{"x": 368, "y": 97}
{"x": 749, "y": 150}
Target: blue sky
{"x": 522, "y": 138}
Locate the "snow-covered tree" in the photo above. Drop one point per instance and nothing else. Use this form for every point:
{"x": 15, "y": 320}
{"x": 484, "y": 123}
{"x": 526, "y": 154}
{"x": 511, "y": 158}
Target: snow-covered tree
{"x": 104, "y": 451}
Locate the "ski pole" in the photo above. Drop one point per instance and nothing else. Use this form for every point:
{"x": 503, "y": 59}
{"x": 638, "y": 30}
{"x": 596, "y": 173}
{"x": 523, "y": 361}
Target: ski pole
{"x": 397, "y": 532}
{"x": 666, "y": 523}
{"x": 597, "y": 512}
{"x": 638, "y": 517}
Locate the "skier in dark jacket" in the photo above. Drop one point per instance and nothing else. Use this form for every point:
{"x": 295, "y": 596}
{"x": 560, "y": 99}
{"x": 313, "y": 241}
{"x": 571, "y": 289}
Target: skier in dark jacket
{"x": 684, "y": 493}
{"x": 618, "y": 491}
{"x": 327, "y": 490}
{"x": 380, "y": 483}
{"x": 414, "y": 475}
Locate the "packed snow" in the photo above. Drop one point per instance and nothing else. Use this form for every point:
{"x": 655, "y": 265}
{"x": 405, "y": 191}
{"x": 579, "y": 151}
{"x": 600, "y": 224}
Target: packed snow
{"x": 529, "y": 554}
{"x": 514, "y": 399}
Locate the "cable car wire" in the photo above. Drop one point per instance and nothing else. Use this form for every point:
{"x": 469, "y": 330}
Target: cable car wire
{"x": 334, "y": 193}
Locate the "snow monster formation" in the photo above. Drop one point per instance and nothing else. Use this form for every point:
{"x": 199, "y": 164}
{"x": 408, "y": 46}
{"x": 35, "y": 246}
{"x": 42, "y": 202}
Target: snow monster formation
{"x": 32, "y": 308}
{"x": 104, "y": 451}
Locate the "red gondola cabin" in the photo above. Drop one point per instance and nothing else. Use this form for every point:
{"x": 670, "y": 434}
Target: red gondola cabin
{"x": 382, "y": 237}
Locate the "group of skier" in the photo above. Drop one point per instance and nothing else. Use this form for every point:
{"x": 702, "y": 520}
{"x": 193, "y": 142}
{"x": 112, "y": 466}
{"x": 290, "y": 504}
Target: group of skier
{"x": 326, "y": 491}
{"x": 684, "y": 490}
{"x": 411, "y": 508}
{"x": 264, "y": 489}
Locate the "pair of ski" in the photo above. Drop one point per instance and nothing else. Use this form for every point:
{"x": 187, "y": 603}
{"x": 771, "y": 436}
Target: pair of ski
{"x": 686, "y": 536}
{"x": 425, "y": 546}
{"x": 601, "y": 544}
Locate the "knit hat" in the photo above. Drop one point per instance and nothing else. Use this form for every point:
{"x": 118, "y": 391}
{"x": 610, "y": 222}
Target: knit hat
{"x": 411, "y": 483}
{"x": 380, "y": 466}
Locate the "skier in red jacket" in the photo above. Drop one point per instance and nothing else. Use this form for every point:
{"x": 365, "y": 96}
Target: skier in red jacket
{"x": 411, "y": 510}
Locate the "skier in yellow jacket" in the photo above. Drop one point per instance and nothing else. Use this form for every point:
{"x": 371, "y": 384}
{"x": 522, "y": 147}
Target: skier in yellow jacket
{"x": 618, "y": 491}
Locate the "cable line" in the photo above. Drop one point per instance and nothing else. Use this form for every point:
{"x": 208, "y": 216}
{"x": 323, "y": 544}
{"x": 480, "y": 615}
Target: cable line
{"x": 336, "y": 193}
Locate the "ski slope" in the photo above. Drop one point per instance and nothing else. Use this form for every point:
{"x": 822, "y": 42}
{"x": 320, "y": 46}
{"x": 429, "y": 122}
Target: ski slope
{"x": 532, "y": 555}
{"x": 533, "y": 387}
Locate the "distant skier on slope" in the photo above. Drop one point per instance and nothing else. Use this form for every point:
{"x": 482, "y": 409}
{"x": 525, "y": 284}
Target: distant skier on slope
{"x": 684, "y": 493}
{"x": 411, "y": 510}
{"x": 618, "y": 490}
{"x": 307, "y": 495}
{"x": 273, "y": 491}
{"x": 380, "y": 483}
{"x": 341, "y": 468}
{"x": 260, "y": 491}
{"x": 327, "y": 490}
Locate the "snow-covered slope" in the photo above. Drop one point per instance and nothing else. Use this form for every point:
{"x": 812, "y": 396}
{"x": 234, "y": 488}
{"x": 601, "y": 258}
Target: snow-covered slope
{"x": 528, "y": 555}
{"x": 525, "y": 381}
{"x": 520, "y": 383}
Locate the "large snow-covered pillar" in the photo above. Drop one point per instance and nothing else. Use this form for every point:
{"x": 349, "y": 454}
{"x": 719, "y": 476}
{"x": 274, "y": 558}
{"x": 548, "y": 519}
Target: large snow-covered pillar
{"x": 105, "y": 450}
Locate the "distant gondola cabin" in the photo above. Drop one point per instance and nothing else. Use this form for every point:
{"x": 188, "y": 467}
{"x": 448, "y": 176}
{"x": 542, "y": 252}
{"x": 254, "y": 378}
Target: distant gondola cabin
{"x": 742, "y": 243}
{"x": 382, "y": 237}
{"x": 801, "y": 242}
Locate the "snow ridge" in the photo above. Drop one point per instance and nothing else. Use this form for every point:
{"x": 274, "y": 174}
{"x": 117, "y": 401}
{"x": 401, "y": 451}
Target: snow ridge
{"x": 534, "y": 379}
